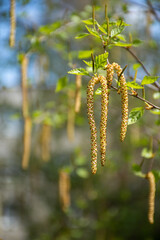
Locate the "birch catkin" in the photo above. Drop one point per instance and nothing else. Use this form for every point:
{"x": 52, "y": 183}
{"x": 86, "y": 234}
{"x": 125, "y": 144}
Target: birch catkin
{"x": 151, "y": 202}
{"x": 103, "y": 124}
{"x": 12, "y": 23}
{"x": 45, "y": 142}
{"x": 64, "y": 190}
{"x": 24, "y": 66}
{"x": 27, "y": 142}
{"x": 124, "y": 97}
{"x": 78, "y": 93}
{"x": 71, "y": 116}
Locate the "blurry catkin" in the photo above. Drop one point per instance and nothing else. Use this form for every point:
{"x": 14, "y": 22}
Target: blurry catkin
{"x": 26, "y": 142}
{"x": 124, "y": 101}
{"x": 46, "y": 142}
{"x": 12, "y": 23}
{"x": 78, "y": 93}
{"x": 103, "y": 124}
{"x": 24, "y": 66}
{"x": 71, "y": 115}
{"x": 151, "y": 202}
{"x": 64, "y": 190}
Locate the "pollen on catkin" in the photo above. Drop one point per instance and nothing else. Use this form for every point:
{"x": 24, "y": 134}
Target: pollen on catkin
{"x": 24, "y": 66}
{"x": 78, "y": 93}
{"x": 151, "y": 199}
{"x": 124, "y": 101}
{"x": 12, "y": 23}
{"x": 103, "y": 124}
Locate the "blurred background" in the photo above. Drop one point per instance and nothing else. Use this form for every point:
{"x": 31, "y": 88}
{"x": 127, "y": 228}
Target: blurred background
{"x": 53, "y": 195}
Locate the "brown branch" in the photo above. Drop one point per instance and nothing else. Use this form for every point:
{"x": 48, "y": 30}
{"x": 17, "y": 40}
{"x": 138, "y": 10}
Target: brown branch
{"x": 140, "y": 98}
{"x": 153, "y": 10}
{"x": 144, "y": 68}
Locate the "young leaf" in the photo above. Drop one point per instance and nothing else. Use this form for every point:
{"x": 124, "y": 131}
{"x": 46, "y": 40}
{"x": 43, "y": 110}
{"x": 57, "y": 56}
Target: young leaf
{"x": 48, "y": 29}
{"x": 155, "y": 111}
{"x": 135, "y": 115}
{"x": 88, "y": 21}
{"x": 82, "y": 35}
{"x": 137, "y": 170}
{"x": 136, "y": 66}
{"x": 79, "y": 71}
{"x": 147, "y": 153}
{"x": 149, "y": 79}
{"x": 88, "y": 63}
{"x": 134, "y": 85}
{"x": 84, "y": 54}
{"x": 156, "y": 95}
{"x": 121, "y": 37}
{"x": 82, "y": 172}
{"x": 62, "y": 82}
{"x": 101, "y": 60}
{"x": 101, "y": 28}
{"x": 117, "y": 30}
{"x": 120, "y": 44}
{"x": 137, "y": 42}
{"x": 93, "y": 32}
{"x": 98, "y": 91}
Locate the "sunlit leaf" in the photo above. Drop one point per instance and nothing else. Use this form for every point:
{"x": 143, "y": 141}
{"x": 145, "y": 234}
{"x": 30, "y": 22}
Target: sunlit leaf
{"x": 137, "y": 170}
{"x": 135, "y": 114}
{"x": 62, "y": 82}
{"x": 121, "y": 37}
{"x": 93, "y": 32}
{"x": 88, "y": 21}
{"x": 48, "y": 29}
{"x": 120, "y": 44}
{"x": 82, "y": 35}
{"x": 134, "y": 85}
{"x": 137, "y": 42}
{"x": 82, "y": 172}
{"x": 101, "y": 28}
{"x": 79, "y": 71}
{"x": 84, "y": 54}
{"x": 117, "y": 30}
{"x": 156, "y": 95}
{"x": 149, "y": 79}
{"x": 88, "y": 63}
{"x": 147, "y": 153}
{"x": 136, "y": 66}
{"x": 101, "y": 60}
{"x": 155, "y": 111}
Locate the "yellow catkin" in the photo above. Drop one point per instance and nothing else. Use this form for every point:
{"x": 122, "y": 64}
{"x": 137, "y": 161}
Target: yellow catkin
{"x": 46, "y": 142}
{"x": 27, "y": 142}
{"x": 151, "y": 202}
{"x": 24, "y": 66}
{"x": 78, "y": 93}
{"x": 103, "y": 124}
{"x": 64, "y": 190}
{"x": 71, "y": 115}
{"x": 12, "y": 23}
{"x": 124, "y": 97}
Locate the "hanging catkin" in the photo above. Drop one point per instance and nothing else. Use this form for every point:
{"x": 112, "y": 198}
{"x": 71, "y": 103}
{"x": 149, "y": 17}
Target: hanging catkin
{"x": 103, "y": 124}
{"x": 78, "y": 93}
{"x": 151, "y": 202}
{"x": 26, "y": 142}
{"x": 12, "y": 23}
{"x": 24, "y": 66}
{"x": 45, "y": 142}
{"x": 71, "y": 115}
{"x": 64, "y": 190}
{"x": 124, "y": 97}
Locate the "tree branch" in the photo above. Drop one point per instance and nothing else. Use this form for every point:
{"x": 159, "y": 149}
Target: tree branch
{"x": 140, "y": 98}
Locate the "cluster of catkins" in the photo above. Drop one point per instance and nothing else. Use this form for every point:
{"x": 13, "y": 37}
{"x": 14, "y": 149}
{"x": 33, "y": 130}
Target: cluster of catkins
{"x": 106, "y": 83}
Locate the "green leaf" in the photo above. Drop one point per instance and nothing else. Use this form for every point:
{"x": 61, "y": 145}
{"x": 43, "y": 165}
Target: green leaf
{"x": 137, "y": 171}
{"x": 36, "y": 114}
{"x": 156, "y": 95}
{"x": 98, "y": 91}
{"x": 147, "y": 153}
{"x": 137, "y": 42}
{"x": 82, "y": 35}
{"x": 16, "y": 116}
{"x": 88, "y": 63}
{"x": 121, "y": 37}
{"x": 84, "y": 54}
{"x": 62, "y": 82}
{"x": 79, "y": 71}
{"x": 134, "y": 85}
{"x": 82, "y": 172}
{"x": 48, "y": 29}
{"x": 136, "y": 66}
{"x": 93, "y": 32}
{"x": 88, "y": 21}
{"x": 117, "y": 30}
{"x": 101, "y": 28}
{"x": 149, "y": 79}
{"x": 120, "y": 44}
{"x": 155, "y": 111}
{"x": 20, "y": 57}
{"x": 135, "y": 114}
{"x": 101, "y": 60}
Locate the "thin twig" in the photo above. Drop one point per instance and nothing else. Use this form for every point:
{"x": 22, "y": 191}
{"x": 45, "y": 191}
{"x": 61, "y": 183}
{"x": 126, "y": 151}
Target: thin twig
{"x": 140, "y": 98}
{"x": 153, "y": 10}
{"x": 144, "y": 68}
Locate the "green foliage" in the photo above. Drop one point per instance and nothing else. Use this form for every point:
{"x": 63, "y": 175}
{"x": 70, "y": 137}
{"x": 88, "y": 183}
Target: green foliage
{"x": 82, "y": 35}
{"x": 84, "y": 54}
{"x": 79, "y": 71}
{"x": 155, "y": 111}
{"x": 147, "y": 153}
{"x": 62, "y": 82}
{"x": 50, "y": 28}
{"x": 137, "y": 171}
{"x": 101, "y": 60}
{"x": 156, "y": 95}
{"x": 135, "y": 114}
{"x": 136, "y": 66}
{"x": 149, "y": 79}
{"x": 134, "y": 85}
